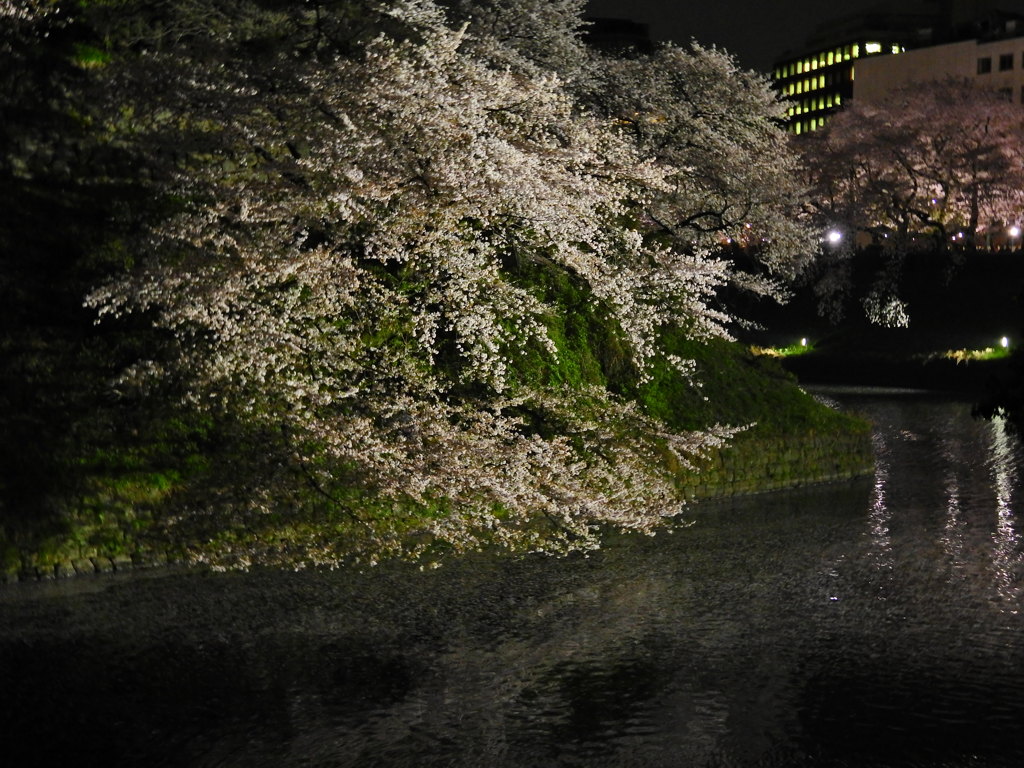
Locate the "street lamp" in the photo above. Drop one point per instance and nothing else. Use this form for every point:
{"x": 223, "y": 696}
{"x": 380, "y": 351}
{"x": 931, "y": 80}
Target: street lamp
{"x": 1014, "y": 233}
{"x": 834, "y": 236}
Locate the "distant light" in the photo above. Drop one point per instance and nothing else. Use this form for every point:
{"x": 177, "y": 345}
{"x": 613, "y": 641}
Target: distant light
{"x": 834, "y": 236}
{"x": 1014, "y": 231}
{"x": 803, "y": 342}
{"x": 1004, "y": 342}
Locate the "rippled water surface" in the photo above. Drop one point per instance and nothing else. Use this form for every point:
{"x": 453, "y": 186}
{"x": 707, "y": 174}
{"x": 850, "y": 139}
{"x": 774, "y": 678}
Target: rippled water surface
{"x": 876, "y": 623}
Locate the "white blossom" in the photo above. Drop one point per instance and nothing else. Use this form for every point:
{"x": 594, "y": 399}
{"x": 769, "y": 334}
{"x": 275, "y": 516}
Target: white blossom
{"x": 337, "y": 272}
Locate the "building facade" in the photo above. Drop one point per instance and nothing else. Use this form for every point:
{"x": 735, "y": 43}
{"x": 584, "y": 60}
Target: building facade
{"x": 818, "y": 83}
{"x": 865, "y": 56}
{"x": 994, "y": 64}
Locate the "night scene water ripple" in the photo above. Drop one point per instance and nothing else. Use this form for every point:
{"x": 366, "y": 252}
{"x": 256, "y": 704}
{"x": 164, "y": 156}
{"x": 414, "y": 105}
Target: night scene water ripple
{"x": 868, "y": 624}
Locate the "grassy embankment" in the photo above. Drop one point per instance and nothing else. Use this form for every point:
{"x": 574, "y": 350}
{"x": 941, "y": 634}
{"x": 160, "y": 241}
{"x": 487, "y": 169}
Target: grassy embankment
{"x": 93, "y": 483}
{"x": 960, "y": 313}
{"x": 91, "y": 479}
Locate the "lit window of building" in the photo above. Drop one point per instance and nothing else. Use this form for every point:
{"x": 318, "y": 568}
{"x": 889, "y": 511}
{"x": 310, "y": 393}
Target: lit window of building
{"x": 819, "y": 78}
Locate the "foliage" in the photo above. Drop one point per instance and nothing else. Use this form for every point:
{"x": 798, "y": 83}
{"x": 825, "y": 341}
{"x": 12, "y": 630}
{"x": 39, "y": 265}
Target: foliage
{"x": 402, "y": 264}
{"x": 529, "y": 36}
{"x": 969, "y": 355}
{"x": 731, "y": 173}
{"x": 790, "y": 350}
{"x": 730, "y": 380}
{"x": 934, "y": 165}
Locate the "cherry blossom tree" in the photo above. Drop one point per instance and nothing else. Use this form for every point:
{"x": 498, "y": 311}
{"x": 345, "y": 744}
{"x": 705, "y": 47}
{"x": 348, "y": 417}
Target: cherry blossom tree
{"x": 733, "y": 177}
{"x": 716, "y": 126}
{"x": 528, "y": 35}
{"x": 332, "y": 266}
{"x": 932, "y": 159}
{"x": 340, "y": 217}
{"x": 933, "y": 165}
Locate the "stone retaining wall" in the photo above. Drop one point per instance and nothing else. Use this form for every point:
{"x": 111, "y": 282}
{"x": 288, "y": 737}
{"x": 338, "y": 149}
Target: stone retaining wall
{"x": 750, "y": 464}
{"x": 88, "y": 566}
{"x": 753, "y": 464}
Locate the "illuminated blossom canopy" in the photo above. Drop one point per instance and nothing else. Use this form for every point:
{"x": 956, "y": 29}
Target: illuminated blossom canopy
{"x": 354, "y": 197}
{"x": 933, "y": 165}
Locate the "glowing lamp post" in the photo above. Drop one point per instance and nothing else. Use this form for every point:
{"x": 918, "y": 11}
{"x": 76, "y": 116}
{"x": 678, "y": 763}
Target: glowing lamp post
{"x": 834, "y": 236}
{"x": 1014, "y": 233}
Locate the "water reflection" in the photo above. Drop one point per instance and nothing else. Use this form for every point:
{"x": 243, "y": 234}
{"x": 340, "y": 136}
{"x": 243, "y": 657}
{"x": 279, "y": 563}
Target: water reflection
{"x": 955, "y": 526}
{"x": 880, "y": 512}
{"x": 754, "y": 637}
{"x": 1006, "y": 554}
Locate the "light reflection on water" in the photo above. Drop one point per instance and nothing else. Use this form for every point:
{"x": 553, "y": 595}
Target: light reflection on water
{"x": 880, "y": 511}
{"x": 866, "y": 624}
{"x": 1006, "y": 556}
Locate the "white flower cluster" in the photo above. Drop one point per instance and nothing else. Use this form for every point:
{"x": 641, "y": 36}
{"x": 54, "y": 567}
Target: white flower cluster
{"x": 27, "y": 10}
{"x": 337, "y": 269}
{"x": 732, "y": 176}
{"x": 941, "y": 159}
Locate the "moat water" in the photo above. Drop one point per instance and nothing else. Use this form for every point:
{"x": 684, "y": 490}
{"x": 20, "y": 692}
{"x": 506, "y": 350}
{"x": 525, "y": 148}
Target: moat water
{"x": 865, "y": 624}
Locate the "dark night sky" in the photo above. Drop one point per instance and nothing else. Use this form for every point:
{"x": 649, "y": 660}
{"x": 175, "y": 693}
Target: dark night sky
{"x": 755, "y": 31}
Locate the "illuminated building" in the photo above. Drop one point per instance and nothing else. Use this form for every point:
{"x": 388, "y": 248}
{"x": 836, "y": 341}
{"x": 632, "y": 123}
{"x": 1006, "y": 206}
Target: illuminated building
{"x": 996, "y": 64}
{"x": 819, "y": 79}
{"x": 818, "y": 83}
{"x": 854, "y": 56}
